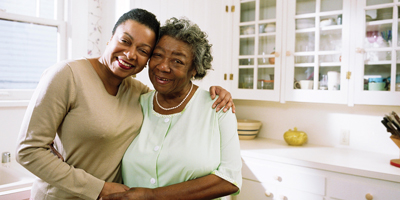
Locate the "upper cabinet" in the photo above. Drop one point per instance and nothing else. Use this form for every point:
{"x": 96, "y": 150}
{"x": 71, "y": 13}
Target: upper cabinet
{"x": 316, "y": 51}
{"x": 377, "y": 53}
{"x": 323, "y": 51}
{"x": 257, "y": 47}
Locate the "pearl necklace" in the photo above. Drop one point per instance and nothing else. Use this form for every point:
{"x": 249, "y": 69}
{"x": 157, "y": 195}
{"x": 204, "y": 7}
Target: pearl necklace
{"x": 174, "y": 106}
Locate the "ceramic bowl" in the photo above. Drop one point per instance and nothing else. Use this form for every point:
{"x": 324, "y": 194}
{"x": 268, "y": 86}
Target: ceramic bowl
{"x": 305, "y": 23}
{"x": 326, "y": 22}
{"x": 248, "y": 129}
{"x": 270, "y": 28}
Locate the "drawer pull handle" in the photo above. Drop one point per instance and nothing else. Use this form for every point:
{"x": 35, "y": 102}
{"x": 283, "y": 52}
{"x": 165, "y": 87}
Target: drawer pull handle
{"x": 268, "y": 193}
{"x": 369, "y": 196}
{"x": 278, "y": 178}
{"x": 360, "y": 50}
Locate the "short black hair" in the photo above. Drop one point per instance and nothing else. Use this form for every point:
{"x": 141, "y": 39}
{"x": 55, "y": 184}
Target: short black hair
{"x": 142, "y": 16}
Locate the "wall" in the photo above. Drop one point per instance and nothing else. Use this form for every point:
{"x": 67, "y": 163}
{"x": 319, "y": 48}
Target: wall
{"x": 10, "y": 121}
{"x": 323, "y": 123}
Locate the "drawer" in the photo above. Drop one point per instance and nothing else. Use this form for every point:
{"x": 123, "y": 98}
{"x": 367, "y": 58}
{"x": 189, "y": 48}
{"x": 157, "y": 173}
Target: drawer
{"x": 298, "y": 178}
{"x": 255, "y": 190}
{"x": 254, "y": 169}
{"x": 252, "y": 190}
{"x": 348, "y": 187}
{"x": 283, "y": 193}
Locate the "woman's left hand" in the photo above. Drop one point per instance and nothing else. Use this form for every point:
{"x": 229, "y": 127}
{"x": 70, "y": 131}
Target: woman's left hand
{"x": 132, "y": 193}
{"x": 224, "y": 99}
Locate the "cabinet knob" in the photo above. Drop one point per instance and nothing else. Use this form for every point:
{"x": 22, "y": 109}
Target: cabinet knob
{"x": 369, "y": 196}
{"x": 282, "y": 197}
{"x": 288, "y": 53}
{"x": 278, "y": 178}
{"x": 277, "y": 54}
{"x": 268, "y": 193}
{"x": 359, "y": 50}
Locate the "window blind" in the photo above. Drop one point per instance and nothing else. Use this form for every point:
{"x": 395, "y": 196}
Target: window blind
{"x": 26, "y": 49}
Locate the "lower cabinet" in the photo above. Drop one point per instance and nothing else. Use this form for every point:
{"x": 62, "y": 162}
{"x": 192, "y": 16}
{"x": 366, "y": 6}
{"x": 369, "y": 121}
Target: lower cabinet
{"x": 253, "y": 190}
{"x": 264, "y": 179}
{"x": 343, "y": 186}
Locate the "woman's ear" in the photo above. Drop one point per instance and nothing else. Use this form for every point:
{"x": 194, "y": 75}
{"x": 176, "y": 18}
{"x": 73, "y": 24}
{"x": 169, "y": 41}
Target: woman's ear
{"x": 194, "y": 73}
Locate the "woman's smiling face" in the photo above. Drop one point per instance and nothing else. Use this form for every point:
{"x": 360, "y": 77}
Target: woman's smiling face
{"x": 170, "y": 66}
{"x": 129, "y": 49}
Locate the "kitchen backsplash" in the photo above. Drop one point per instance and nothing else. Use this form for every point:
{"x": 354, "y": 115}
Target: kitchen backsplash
{"x": 10, "y": 122}
{"x": 323, "y": 123}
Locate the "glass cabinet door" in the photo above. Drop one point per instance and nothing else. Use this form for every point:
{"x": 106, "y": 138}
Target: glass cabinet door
{"x": 257, "y": 72}
{"x": 378, "y": 81}
{"x": 315, "y": 69}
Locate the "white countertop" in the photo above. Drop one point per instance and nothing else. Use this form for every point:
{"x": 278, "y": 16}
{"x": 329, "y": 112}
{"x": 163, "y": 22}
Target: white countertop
{"x": 342, "y": 160}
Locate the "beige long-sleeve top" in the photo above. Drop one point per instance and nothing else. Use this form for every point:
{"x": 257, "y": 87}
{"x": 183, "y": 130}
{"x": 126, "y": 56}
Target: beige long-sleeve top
{"x": 93, "y": 131}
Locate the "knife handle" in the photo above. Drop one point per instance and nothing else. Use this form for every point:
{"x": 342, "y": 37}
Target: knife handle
{"x": 396, "y": 116}
{"x": 388, "y": 129}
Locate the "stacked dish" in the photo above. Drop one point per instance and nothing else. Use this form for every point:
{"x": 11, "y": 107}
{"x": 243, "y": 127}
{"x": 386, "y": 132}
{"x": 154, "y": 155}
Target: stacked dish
{"x": 248, "y": 129}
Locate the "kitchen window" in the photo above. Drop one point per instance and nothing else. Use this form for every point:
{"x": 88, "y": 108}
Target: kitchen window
{"x": 32, "y": 38}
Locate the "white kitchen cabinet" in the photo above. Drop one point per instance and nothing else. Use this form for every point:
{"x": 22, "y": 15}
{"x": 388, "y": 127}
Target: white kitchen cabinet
{"x": 257, "y": 47}
{"x": 304, "y": 48}
{"x": 312, "y": 38}
{"x": 317, "y": 49}
{"x": 315, "y": 172}
{"x": 261, "y": 48}
{"x": 377, "y": 53}
{"x": 341, "y": 186}
{"x": 264, "y": 179}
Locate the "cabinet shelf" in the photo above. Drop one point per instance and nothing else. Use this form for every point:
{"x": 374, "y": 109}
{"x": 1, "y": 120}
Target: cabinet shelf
{"x": 329, "y": 64}
{"x": 267, "y": 34}
{"x": 379, "y": 22}
{"x": 331, "y": 27}
{"x": 266, "y": 66}
{"x": 378, "y": 62}
{"x": 246, "y": 66}
{"x": 305, "y": 65}
{"x": 306, "y": 30}
{"x": 247, "y": 36}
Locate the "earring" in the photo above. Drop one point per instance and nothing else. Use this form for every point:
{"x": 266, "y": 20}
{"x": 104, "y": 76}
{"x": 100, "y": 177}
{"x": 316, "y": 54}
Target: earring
{"x": 107, "y": 43}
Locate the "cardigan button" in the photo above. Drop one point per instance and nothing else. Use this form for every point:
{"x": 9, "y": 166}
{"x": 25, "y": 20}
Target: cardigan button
{"x": 152, "y": 180}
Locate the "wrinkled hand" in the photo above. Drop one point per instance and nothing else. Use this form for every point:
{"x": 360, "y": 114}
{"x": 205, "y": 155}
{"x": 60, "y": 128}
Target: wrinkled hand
{"x": 224, "y": 99}
{"x": 133, "y": 193}
{"x": 110, "y": 188}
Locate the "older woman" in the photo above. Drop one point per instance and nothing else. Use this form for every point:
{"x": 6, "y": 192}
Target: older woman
{"x": 184, "y": 150}
{"x": 90, "y": 107}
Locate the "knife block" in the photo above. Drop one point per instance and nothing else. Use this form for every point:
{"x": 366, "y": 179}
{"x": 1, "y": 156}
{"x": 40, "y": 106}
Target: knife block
{"x": 395, "y": 162}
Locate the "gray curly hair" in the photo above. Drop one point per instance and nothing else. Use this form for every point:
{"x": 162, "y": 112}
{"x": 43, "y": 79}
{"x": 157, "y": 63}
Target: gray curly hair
{"x": 184, "y": 30}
